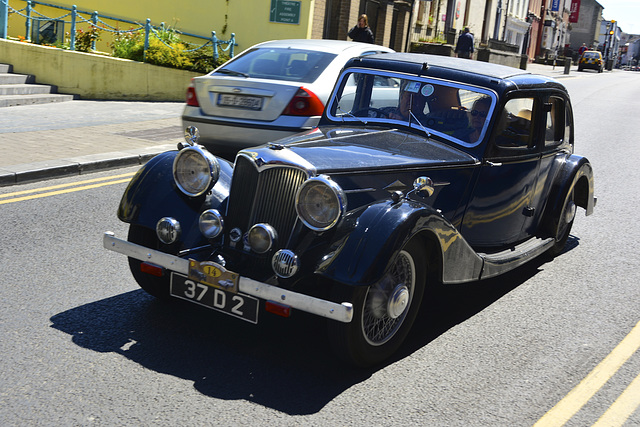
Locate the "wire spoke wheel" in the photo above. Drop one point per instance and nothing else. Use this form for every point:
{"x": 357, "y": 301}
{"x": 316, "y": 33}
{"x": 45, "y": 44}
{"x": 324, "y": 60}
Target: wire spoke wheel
{"x": 386, "y": 303}
{"x": 383, "y": 312}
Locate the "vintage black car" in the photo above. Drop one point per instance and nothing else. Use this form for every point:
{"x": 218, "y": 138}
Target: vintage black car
{"x": 464, "y": 170}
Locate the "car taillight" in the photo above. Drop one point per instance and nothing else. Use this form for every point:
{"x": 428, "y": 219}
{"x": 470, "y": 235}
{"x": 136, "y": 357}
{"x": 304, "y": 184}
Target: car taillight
{"x": 192, "y": 99}
{"x": 304, "y": 103}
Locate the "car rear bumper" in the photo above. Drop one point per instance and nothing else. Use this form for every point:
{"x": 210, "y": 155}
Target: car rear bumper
{"x": 331, "y": 310}
{"x": 590, "y": 66}
{"x": 226, "y": 134}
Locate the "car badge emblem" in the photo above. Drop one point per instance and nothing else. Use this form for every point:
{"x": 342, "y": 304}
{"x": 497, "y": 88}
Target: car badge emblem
{"x": 236, "y": 90}
{"x": 235, "y": 235}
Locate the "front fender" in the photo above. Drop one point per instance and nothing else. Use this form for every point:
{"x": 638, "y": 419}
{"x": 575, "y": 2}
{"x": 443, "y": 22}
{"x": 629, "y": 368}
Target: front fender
{"x": 153, "y": 194}
{"x": 383, "y": 230}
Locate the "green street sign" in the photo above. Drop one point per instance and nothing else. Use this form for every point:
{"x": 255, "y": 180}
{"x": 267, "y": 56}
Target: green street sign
{"x": 285, "y": 11}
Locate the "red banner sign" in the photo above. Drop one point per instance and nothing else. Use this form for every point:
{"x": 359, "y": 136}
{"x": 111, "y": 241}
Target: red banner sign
{"x": 575, "y": 11}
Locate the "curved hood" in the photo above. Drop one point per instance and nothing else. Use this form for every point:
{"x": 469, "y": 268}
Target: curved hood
{"x": 340, "y": 149}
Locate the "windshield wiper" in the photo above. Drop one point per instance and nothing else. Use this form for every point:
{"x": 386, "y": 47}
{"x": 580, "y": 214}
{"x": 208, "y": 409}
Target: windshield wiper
{"x": 420, "y": 123}
{"x": 232, "y": 72}
{"x": 348, "y": 113}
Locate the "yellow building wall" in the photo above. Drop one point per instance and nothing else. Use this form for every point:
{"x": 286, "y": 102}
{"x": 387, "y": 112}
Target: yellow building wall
{"x": 248, "y": 19}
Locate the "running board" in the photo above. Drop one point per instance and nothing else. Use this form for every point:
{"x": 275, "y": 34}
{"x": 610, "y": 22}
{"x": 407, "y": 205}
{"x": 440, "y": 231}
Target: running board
{"x": 501, "y": 262}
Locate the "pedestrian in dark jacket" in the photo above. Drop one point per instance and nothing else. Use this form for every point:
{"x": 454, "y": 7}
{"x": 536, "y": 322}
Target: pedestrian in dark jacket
{"x": 464, "y": 47}
{"x": 362, "y": 32}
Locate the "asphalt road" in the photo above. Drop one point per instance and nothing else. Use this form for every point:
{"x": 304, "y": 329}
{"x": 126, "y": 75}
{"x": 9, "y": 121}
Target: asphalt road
{"x": 80, "y": 344}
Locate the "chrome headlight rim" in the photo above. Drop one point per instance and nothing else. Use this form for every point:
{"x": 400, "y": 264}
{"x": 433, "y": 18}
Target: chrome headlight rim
{"x": 168, "y": 230}
{"x": 339, "y": 199}
{"x": 207, "y": 221}
{"x": 268, "y": 237}
{"x": 210, "y": 176}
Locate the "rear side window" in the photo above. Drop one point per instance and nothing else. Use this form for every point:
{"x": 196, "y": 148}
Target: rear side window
{"x": 555, "y": 128}
{"x": 515, "y": 127}
{"x": 294, "y": 65}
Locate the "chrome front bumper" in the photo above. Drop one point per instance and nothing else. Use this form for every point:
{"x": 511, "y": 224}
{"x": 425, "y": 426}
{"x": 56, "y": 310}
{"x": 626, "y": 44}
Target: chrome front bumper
{"x": 331, "y": 310}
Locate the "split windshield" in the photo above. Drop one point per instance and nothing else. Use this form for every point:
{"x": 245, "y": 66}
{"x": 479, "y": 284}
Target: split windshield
{"x": 456, "y": 112}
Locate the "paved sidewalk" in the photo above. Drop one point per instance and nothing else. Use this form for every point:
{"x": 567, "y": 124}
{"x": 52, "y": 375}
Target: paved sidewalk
{"x": 50, "y": 140}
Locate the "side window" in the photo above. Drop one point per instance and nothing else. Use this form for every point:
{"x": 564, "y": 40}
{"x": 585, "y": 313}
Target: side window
{"x": 568, "y": 124}
{"x": 555, "y": 122}
{"x": 515, "y": 129}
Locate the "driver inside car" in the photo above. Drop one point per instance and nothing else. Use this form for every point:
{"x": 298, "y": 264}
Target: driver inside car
{"x": 410, "y": 101}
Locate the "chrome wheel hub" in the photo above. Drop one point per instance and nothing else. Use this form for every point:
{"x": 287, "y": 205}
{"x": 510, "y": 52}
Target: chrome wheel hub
{"x": 398, "y": 302}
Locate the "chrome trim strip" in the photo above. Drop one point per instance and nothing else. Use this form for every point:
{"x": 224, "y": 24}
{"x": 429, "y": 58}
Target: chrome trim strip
{"x": 265, "y": 158}
{"x": 331, "y": 310}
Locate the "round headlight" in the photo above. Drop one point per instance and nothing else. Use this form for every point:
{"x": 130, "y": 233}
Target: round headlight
{"x": 320, "y": 203}
{"x": 261, "y": 237}
{"x": 195, "y": 171}
{"x": 211, "y": 223}
{"x": 168, "y": 230}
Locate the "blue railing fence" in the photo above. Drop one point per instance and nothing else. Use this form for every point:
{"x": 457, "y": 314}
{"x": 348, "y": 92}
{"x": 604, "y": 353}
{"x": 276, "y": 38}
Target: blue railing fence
{"x": 50, "y": 26}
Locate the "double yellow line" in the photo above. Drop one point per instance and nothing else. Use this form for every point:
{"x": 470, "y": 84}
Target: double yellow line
{"x": 624, "y": 405}
{"x": 54, "y": 190}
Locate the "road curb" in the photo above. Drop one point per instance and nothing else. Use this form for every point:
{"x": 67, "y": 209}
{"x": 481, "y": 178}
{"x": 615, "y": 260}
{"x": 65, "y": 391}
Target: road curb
{"x": 19, "y": 174}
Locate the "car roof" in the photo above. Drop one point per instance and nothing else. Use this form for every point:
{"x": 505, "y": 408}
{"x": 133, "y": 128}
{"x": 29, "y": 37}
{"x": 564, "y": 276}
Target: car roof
{"x": 333, "y": 46}
{"x": 448, "y": 62}
{"x": 495, "y": 76}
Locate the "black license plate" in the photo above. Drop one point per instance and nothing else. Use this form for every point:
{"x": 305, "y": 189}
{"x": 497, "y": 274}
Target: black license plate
{"x": 240, "y": 101}
{"x": 237, "y": 305}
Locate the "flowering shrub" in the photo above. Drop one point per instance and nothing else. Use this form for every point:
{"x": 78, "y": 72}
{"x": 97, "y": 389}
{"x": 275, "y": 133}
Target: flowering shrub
{"x": 85, "y": 39}
{"x": 165, "y": 49}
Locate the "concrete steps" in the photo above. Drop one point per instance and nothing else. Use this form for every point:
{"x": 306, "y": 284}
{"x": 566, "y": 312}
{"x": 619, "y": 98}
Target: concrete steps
{"x": 20, "y": 89}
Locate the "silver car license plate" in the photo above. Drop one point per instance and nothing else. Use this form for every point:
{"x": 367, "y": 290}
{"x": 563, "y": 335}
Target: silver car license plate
{"x": 240, "y": 101}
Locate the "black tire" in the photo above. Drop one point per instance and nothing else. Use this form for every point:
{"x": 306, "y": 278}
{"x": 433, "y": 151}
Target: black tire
{"x": 379, "y": 327}
{"x": 564, "y": 224}
{"x": 154, "y": 286}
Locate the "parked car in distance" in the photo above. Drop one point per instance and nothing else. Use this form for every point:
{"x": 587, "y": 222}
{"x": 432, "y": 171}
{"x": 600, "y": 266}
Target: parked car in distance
{"x": 591, "y": 59}
{"x": 271, "y": 90}
{"x": 467, "y": 173}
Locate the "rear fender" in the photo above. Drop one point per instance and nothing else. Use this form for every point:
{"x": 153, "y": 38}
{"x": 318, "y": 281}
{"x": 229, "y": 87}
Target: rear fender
{"x": 152, "y": 194}
{"x": 384, "y": 229}
{"x": 577, "y": 175}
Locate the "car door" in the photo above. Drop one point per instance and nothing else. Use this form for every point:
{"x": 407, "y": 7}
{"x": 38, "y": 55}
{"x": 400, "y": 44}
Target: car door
{"x": 556, "y": 141}
{"x": 502, "y": 202}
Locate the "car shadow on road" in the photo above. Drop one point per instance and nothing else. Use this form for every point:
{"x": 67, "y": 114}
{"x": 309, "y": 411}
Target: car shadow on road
{"x": 283, "y": 364}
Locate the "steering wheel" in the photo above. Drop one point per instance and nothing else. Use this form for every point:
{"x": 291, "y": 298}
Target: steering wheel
{"x": 371, "y": 112}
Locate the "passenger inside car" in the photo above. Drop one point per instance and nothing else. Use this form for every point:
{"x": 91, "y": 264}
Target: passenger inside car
{"x": 477, "y": 117}
{"x": 446, "y": 113}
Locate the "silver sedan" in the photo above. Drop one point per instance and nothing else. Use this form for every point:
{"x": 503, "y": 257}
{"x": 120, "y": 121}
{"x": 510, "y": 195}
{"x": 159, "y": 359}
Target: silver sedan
{"x": 271, "y": 90}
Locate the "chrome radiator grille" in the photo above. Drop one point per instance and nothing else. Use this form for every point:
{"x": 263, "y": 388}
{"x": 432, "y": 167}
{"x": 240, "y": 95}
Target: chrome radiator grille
{"x": 267, "y": 196}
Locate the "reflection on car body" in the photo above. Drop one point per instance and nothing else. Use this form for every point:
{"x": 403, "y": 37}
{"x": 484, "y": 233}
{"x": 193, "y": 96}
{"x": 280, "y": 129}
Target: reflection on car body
{"x": 462, "y": 171}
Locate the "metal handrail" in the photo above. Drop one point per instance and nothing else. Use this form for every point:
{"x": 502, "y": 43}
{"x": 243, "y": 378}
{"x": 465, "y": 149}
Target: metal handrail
{"x": 95, "y": 19}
